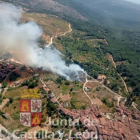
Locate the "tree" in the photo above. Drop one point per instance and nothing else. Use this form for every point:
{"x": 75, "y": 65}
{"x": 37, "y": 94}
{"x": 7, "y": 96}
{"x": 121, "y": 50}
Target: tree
{"x": 73, "y": 101}
{"x": 67, "y": 83}
{"x": 4, "y": 133}
{"x": 23, "y": 68}
{"x": 105, "y": 82}
{"x": 59, "y": 80}
{"x": 4, "y": 84}
{"x": 107, "y": 102}
{"x": 11, "y": 100}
{"x": 51, "y": 108}
{"x": 71, "y": 89}
{"x": 95, "y": 75}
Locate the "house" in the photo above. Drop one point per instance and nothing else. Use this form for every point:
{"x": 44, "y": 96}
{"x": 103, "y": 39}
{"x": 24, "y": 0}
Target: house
{"x": 6, "y": 116}
{"x": 101, "y": 77}
{"x": 65, "y": 104}
{"x": 16, "y": 83}
{"x": 51, "y": 95}
{"x": 76, "y": 116}
{"x": 69, "y": 113}
{"x": 36, "y": 75}
{"x": 87, "y": 88}
{"x": 46, "y": 89}
{"x": 53, "y": 100}
{"x": 11, "y": 67}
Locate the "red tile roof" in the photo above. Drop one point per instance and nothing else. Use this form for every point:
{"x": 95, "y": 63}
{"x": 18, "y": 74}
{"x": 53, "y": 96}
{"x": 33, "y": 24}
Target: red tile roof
{"x": 53, "y": 100}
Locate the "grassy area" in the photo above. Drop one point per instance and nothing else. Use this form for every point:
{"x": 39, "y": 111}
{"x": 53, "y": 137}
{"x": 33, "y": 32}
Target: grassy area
{"x": 14, "y": 92}
{"x": 51, "y": 25}
{"x": 14, "y": 121}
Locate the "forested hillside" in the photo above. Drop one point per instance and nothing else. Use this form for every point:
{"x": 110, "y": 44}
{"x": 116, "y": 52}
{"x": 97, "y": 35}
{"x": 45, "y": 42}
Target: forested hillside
{"x": 116, "y": 13}
{"x": 50, "y": 6}
{"x": 115, "y": 21}
{"x": 123, "y": 46}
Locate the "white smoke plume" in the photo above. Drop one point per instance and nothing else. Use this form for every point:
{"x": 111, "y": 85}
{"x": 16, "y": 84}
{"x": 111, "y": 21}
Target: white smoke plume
{"x": 22, "y": 38}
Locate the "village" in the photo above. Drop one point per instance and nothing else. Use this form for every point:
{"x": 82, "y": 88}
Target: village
{"x": 123, "y": 125}
{"x": 7, "y": 67}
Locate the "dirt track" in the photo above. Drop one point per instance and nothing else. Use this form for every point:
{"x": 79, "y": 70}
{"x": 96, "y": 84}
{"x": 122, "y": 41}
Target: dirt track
{"x": 5, "y": 101}
{"x": 112, "y": 60}
{"x": 93, "y": 80}
{"x": 51, "y": 42}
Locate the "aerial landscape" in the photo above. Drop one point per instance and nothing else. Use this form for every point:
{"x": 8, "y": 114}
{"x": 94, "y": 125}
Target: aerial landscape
{"x": 69, "y": 70}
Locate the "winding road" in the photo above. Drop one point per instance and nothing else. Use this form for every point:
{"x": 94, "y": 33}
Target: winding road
{"x": 51, "y": 42}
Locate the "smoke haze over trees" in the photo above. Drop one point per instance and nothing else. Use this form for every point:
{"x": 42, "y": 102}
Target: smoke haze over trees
{"x": 23, "y": 38}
